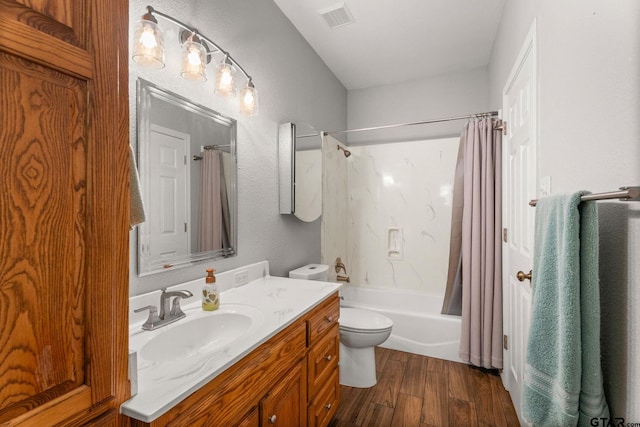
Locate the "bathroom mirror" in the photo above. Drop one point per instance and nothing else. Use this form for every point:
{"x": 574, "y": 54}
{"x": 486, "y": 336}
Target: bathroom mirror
{"x": 300, "y": 169}
{"x": 187, "y": 166}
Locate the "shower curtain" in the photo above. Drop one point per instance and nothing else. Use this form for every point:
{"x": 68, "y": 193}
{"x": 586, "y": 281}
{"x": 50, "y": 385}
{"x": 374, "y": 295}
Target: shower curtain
{"x": 474, "y": 286}
{"x": 210, "y": 215}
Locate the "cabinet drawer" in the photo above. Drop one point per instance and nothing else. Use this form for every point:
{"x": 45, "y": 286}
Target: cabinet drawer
{"x": 323, "y": 318}
{"x": 325, "y": 404}
{"x": 323, "y": 360}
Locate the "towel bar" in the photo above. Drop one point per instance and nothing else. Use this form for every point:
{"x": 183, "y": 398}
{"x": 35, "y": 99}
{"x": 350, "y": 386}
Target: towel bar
{"x": 626, "y": 194}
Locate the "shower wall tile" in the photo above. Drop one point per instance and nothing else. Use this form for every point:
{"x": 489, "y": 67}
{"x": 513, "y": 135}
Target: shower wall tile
{"x": 405, "y": 185}
{"x": 334, "y": 204}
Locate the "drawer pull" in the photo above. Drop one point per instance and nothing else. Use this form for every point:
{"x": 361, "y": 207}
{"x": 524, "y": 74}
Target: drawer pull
{"x": 329, "y": 319}
{"x": 328, "y": 358}
{"x": 328, "y": 406}
{"x": 273, "y": 418}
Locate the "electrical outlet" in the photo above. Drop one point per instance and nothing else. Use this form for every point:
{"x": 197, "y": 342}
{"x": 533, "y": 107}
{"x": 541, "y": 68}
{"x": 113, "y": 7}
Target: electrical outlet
{"x": 242, "y": 277}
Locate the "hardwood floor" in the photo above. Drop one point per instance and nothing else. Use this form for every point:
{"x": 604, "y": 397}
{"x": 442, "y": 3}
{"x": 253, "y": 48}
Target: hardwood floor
{"x": 419, "y": 391}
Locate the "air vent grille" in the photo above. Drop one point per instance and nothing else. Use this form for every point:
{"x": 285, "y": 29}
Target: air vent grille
{"x": 337, "y": 16}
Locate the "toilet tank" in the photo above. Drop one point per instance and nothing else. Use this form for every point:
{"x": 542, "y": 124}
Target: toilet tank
{"x": 311, "y": 272}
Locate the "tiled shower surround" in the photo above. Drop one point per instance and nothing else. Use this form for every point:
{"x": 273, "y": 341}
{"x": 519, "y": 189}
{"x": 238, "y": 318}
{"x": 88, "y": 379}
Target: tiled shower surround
{"x": 398, "y": 213}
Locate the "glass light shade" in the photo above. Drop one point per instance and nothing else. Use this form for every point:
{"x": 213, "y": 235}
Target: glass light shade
{"x": 225, "y": 79}
{"x": 148, "y": 49}
{"x": 194, "y": 61}
{"x": 249, "y": 100}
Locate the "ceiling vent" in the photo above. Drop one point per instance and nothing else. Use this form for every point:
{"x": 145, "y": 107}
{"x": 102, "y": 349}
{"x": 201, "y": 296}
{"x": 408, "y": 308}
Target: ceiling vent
{"x": 337, "y": 16}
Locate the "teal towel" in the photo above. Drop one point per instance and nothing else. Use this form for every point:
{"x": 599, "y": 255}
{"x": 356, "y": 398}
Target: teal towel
{"x": 563, "y": 377}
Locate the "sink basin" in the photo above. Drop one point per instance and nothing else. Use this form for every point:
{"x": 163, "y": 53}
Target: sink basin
{"x": 193, "y": 335}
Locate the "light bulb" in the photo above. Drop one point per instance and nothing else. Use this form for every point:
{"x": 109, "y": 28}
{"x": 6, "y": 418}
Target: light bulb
{"x": 194, "y": 61}
{"x": 225, "y": 78}
{"x": 249, "y": 100}
{"x": 148, "y": 50}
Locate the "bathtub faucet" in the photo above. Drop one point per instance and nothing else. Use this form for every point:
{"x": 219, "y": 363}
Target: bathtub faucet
{"x": 343, "y": 279}
{"x": 340, "y": 266}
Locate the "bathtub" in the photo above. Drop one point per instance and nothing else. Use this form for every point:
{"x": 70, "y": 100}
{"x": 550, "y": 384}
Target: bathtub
{"x": 418, "y": 326}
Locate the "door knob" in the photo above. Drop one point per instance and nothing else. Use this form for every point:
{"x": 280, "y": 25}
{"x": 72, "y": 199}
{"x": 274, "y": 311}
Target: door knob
{"x": 521, "y": 275}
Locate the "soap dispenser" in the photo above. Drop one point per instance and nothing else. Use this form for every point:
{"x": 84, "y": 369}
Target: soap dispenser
{"x": 210, "y": 292}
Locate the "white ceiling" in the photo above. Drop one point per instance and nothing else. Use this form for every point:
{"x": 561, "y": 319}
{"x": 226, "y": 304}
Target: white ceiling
{"x": 395, "y": 41}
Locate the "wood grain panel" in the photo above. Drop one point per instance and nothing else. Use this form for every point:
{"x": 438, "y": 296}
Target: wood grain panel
{"x": 435, "y": 409}
{"x": 389, "y": 386}
{"x": 63, "y": 19}
{"x": 414, "y": 377}
{"x": 39, "y": 39}
{"x": 325, "y": 404}
{"x": 63, "y": 211}
{"x": 323, "y": 360}
{"x": 227, "y": 397}
{"x": 42, "y": 193}
{"x": 286, "y": 402}
{"x": 323, "y": 318}
{"x": 407, "y": 411}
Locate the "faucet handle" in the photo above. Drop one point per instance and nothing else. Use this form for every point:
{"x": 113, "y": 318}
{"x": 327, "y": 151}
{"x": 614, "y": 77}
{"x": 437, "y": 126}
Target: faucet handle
{"x": 153, "y": 318}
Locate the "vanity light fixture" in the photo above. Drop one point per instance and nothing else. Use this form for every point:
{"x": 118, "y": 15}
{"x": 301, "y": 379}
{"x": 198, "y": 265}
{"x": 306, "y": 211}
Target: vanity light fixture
{"x": 197, "y": 50}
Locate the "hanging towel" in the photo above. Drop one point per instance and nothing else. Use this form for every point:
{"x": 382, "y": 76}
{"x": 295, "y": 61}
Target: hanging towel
{"x": 136, "y": 209}
{"x": 563, "y": 377}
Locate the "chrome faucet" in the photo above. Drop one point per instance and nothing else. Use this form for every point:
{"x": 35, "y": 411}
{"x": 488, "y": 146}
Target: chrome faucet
{"x": 169, "y": 312}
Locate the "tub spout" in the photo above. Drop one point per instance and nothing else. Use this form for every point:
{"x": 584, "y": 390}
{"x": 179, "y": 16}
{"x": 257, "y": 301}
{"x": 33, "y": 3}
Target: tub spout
{"x": 343, "y": 279}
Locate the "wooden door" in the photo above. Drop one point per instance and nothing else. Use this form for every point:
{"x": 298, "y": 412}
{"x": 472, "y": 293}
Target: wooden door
{"x": 63, "y": 211}
{"x": 519, "y": 103}
{"x": 285, "y": 405}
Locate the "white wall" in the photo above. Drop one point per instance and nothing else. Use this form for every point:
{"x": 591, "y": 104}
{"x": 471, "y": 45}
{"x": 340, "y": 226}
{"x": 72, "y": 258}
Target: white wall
{"x": 441, "y": 96}
{"x": 293, "y": 85}
{"x": 589, "y": 138}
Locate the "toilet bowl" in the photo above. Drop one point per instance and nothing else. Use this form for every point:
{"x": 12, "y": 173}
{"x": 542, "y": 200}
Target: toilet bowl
{"x": 360, "y": 331}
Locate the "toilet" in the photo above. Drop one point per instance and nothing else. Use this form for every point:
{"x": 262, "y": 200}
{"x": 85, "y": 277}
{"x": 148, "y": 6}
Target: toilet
{"x": 360, "y": 331}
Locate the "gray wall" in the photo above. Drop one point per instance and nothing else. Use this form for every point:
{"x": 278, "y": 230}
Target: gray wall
{"x": 441, "y": 96}
{"x": 589, "y": 138}
{"x": 293, "y": 85}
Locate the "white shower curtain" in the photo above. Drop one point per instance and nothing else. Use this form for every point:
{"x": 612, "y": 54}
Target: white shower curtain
{"x": 481, "y": 335}
{"x": 210, "y": 215}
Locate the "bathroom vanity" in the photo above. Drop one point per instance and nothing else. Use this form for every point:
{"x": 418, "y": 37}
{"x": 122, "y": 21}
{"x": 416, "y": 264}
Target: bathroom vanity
{"x": 280, "y": 370}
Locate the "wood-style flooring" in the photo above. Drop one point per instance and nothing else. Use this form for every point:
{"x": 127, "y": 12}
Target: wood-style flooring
{"x": 419, "y": 391}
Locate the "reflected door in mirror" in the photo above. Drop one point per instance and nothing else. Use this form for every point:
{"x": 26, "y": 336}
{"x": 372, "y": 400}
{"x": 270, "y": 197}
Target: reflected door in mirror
{"x": 169, "y": 201}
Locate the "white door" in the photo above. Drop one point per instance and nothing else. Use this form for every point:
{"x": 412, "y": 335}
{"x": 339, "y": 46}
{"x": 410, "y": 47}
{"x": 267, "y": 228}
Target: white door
{"x": 519, "y": 182}
{"x": 169, "y": 196}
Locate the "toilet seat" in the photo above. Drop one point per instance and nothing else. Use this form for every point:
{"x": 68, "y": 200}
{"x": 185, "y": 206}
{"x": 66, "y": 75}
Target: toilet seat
{"x": 363, "y": 321}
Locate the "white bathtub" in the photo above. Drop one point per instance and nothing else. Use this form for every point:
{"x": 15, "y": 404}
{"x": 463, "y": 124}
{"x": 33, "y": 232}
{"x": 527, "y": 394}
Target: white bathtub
{"x": 418, "y": 326}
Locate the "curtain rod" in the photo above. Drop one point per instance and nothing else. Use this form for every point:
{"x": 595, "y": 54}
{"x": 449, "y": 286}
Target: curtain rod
{"x": 445, "y": 119}
{"x": 626, "y": 194}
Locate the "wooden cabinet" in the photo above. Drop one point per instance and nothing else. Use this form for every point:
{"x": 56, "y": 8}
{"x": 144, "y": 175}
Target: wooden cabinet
{"x": 285, "y": 405}
{"x": 290, "y": 380}
{"x": 64, "y": 239}
{"x": 322, "y": 363}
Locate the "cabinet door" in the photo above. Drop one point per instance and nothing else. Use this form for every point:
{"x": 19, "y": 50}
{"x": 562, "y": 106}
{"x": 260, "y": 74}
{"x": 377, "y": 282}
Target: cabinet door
{"x": 285, "y": 405}
{"x": 252, "y": 419}
{"x": 63, "y": 211}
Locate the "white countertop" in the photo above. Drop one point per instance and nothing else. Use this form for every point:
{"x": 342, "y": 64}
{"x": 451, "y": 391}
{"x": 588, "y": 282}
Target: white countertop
{"x": 161, "y": 385}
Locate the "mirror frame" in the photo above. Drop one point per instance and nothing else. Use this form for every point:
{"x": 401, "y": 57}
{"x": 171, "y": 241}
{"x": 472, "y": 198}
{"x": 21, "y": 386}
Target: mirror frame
{"x": 146, "y": 92}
